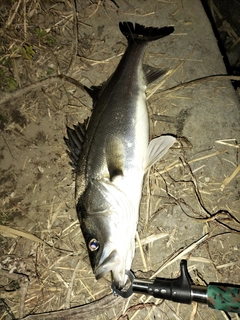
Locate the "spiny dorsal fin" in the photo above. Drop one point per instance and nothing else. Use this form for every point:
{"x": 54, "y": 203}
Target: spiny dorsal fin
{"x": 151, "y": 73}
{"x": 74, "y": 141}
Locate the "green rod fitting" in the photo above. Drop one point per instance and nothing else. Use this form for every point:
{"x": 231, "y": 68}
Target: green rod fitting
{"x": 224, "y": 297}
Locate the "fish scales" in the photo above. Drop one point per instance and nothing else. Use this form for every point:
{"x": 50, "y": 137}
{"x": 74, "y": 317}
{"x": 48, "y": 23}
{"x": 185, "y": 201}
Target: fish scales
{"x": 110, "y": 159}
{"x": 115, "y": 113}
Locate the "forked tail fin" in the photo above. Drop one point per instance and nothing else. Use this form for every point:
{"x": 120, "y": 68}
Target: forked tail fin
{"x": 138, "y": 33}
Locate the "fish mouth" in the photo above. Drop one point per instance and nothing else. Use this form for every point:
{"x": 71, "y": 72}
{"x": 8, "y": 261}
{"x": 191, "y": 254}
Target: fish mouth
{"x": 112, "y": 263}
{"x": 106, "y": 265}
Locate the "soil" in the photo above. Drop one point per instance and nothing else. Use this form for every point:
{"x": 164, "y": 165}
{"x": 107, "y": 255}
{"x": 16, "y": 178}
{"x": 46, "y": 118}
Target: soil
{"x": 189, "y": 209}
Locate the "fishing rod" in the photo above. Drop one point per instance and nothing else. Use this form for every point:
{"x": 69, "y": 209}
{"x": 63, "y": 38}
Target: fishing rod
{"x": 218, "y": 296}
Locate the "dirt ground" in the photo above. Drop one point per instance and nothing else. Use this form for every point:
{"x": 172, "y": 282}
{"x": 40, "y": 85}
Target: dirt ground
{"x": 190, "y": 204}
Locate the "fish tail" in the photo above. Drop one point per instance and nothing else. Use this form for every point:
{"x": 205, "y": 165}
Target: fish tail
{"x": 138, "y": 33}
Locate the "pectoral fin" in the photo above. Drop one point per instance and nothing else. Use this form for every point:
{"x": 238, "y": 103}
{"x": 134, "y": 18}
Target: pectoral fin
{"x": 114, "y": 157}
{"x": 157, "y": 149}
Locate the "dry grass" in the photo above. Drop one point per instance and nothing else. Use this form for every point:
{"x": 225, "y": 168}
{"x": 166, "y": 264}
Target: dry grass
{"x": 44, "y": 265}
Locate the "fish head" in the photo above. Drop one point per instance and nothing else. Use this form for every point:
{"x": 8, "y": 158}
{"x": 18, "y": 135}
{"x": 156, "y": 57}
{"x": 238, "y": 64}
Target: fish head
{"x": 108, "y": 223}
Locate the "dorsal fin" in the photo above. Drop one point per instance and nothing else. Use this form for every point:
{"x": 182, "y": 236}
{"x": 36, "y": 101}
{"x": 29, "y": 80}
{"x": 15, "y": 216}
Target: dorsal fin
{"x": 152, "y": 73}
{"x": 93, "y": 91}
{"x": 74, "y": 141}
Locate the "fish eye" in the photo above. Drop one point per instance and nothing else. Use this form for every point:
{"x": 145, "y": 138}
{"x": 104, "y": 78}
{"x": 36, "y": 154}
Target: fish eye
{"x": 93, "y": 244}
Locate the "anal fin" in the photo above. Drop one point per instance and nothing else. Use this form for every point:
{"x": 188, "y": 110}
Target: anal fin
{"x": 152, "y": 73}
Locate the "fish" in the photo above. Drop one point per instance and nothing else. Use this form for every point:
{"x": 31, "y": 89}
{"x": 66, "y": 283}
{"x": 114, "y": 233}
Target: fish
{"x": 111, "y": 155}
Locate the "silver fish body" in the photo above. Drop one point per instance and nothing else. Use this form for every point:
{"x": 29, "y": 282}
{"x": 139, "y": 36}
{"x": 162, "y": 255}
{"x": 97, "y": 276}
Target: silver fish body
{"x": 111, "y": 158}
